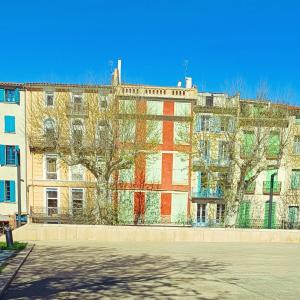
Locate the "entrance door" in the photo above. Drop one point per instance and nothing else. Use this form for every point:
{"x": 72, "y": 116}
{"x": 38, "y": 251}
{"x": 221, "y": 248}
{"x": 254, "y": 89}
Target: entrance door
{"x": 201, "y": 213}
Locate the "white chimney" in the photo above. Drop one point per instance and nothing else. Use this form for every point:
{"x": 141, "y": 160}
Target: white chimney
{"x": 188, "y": 82}
{"x": 119, "y": 69}
{"x": 179, "y": 83}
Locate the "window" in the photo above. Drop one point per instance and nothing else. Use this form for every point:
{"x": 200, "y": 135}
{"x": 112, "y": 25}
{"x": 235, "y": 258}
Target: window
{"x": 205, "y": 149}
{"x": 209, "y": 101}
{"x": 293, "y": 216}
{"x": 181, "y": 133}
{"x": 201, "y": 213}
{"x": 273, "y": 144}
{"x": 152, "y": 208}
{"x": 11, "y": 155}
{"x": 155, "y": 107}
{"x": 198, "y": 123}
{"x": 49, "y": 127}
{"x": 127, "y": 106}
{"x": 51, "y": 167}
{"x": 179, "y": 207}
{"x": 153, "y": 168}
{"x": 10, "y": 95}
{"x": 77, "y": 199}
{"x": 127, "y": 130}
{"x": 8, "y": 155}
{"x": 297, "y": 145}
{"x": 9, "y": 124}
{"x": 154, "y": 131}
{"x": 180, "y": 168}
{"x": 182, "y": 109}
{"x": 223, "y": 151}
{"x": 7, "y": 191}
{"x": 298, "y": 120}
{"x": 49, "y": 98}
{"x": 52, "y": 201}
{"x": 248, "y": 143}
{"x": 78, "y": 104}
{"x": 220, "y": 213}
{"x": 77, "y": 172}
{"x": 77, "y": 132}
{"x": 295, "y": 180}
{"x": 205, "y": 121}
{"x": 127, "y": 175}
{"x": 126, "y": 207}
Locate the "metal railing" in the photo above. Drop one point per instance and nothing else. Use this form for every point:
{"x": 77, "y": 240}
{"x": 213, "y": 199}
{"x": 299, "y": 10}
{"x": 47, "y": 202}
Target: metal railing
{"x": 276, "y": 187}
{"x": 214, "y": 193}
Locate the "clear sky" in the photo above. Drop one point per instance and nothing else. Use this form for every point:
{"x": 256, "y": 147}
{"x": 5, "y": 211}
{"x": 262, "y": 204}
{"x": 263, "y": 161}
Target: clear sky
{"x": 216, "y": 42}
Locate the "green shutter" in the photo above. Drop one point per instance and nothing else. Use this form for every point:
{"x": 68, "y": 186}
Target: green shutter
{"x": 248, "y": 143}
{"x": 295, "y": 180}
{"x": 266, "y": 216}
{"x": 273, "y": 144}
{"x": 244, "y": 215}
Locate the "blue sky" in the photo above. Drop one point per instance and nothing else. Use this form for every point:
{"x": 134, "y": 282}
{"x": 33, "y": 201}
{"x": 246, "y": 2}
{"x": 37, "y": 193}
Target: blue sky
{"x": 224, "y": 42}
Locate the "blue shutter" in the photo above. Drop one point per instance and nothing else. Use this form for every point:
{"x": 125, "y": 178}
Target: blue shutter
{"x": 1, "y": 190}
{"x": 2, "y": 155}
{"x": 10, "y": 126}
{"x": 16, "y": 155}
{"x": 12, "y": 185}
{"x": 2, "y": 95}
{"x": 17, "y": 95}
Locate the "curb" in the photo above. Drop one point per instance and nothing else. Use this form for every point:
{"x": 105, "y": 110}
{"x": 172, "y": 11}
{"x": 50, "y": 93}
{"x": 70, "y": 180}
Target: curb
{"x": 12, "y": 274}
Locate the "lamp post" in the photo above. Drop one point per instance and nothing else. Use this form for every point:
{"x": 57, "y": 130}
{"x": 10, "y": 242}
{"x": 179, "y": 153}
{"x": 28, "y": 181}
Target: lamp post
{"x": 271, "y": 200}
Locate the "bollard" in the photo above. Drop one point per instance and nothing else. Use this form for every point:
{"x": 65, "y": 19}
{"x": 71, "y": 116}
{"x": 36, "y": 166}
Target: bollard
{"x": 9, "y": 236}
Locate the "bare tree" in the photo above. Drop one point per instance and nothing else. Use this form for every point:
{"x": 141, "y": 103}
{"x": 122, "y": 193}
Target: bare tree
{"x": 95, "y": 129}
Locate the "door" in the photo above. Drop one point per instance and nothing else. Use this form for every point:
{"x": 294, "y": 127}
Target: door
{"x": 52, "y": 201}
{"x": 201, "y": 213}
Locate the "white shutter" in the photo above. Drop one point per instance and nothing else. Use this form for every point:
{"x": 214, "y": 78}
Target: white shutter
{"x": 180, "y": 168}
{"x": 155, "y": 107}
{"x": 182, "y": 109}
{"x": 153, "y": 168}
{"x": 179, "y": 207}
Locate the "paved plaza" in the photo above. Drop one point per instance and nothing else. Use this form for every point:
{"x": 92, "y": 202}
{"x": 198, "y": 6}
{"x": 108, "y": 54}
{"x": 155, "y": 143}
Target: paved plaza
{"x": 93, "y": 270}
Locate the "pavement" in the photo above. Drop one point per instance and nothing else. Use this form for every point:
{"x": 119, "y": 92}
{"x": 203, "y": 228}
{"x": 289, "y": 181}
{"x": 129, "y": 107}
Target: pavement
{"x": 94, "y": 270}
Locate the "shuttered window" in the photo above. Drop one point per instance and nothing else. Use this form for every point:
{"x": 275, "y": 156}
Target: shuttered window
{"x": 10, "y": 95}
{"x": 273, "y": 215}
{"x": 7, "y": 191}
{"x": 9, "y": 124}
{"x": 244, "y": 215}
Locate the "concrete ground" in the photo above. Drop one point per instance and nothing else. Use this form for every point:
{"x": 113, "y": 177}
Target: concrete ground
{"x": 74, "y": 270}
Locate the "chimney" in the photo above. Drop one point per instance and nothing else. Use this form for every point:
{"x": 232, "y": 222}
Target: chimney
{"x": 188, "y": 82}
{"x": 179, "y": 83}
{"x": 119, "y": 69}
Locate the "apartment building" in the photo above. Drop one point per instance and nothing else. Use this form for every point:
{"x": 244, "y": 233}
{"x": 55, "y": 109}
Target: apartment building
{"x": 12, "y": 139}
{"x": 215, "y": 116}
{"x": 157, "y": 186}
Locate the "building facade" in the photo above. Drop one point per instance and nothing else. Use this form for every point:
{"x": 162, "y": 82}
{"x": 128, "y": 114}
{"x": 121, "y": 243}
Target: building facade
{"x": 12, "y": 139}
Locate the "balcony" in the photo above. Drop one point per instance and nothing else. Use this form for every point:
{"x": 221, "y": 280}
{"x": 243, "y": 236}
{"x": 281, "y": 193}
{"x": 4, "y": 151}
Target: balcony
{"x": 208, "y": 193}
{"x": 212, "y": 163}
{"x": 226, "y": 109}
{"x": 77, "y": 110}
{"x": 267, "y": 187}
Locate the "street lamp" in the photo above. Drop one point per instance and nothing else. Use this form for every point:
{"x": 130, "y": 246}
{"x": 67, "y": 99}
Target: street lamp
{"x": 271, "y": 200}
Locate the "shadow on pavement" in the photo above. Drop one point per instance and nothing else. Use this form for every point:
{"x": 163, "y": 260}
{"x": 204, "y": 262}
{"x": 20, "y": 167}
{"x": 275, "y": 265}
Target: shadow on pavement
{"x": 69, "y": 272}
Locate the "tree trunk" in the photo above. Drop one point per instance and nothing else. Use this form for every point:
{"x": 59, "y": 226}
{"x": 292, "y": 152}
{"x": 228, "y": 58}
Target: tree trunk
{"x": 233, "y": 207}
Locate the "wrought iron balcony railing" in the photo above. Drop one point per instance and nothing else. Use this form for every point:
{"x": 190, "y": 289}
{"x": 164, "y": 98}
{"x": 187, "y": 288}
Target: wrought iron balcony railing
{"x": 77, "y": 110}
{"x": 251, "y": 188}
{"x": 205, "y": 193}
{"x": 276, "y": 187}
